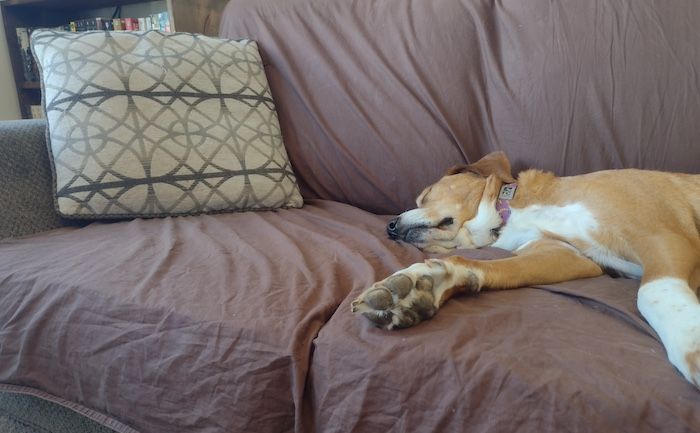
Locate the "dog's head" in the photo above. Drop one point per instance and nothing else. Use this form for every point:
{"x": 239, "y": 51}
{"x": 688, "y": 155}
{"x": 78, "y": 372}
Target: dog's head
{"x": 459, "y": 210}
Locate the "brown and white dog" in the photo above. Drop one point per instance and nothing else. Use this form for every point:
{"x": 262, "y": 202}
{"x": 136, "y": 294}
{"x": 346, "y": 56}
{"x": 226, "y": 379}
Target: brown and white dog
{"x": 643, "y": 224}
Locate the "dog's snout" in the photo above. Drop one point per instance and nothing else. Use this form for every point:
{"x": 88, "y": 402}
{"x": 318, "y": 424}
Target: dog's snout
{"x": 392, "y": 229}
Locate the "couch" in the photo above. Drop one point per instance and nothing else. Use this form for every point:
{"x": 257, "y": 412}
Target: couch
{"x": 241, "y": 322}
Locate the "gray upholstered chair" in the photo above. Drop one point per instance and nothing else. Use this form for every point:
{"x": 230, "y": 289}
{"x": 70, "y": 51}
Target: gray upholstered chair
{"x": 26, "y": 199}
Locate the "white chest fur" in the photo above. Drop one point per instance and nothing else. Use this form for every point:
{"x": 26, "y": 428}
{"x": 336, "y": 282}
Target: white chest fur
{"x": 571, "y": 222}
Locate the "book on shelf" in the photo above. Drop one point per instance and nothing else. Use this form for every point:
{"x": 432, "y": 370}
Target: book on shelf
{"x": 159, "y": 21}
{"x": 28, "y": 66}
{"x": 164, "y": 19}
{"x": 104, "y": 24}
{"x": 131, "y": 24}
{"x": 36, "y": 111}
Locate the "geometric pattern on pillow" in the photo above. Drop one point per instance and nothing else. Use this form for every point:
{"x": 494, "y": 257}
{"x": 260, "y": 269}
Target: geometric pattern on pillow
{"x": 157, "y": 124}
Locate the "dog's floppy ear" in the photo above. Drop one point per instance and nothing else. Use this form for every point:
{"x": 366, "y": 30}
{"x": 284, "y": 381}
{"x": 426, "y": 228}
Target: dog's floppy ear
{"x": 495, "y": 163}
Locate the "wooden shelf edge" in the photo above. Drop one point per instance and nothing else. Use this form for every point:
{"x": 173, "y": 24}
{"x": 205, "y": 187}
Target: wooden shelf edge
{"x": 19, "y": 2}
{"x": 69, "y": 4}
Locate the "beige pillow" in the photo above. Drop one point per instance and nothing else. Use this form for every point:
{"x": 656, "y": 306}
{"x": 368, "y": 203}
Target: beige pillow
{"x": 154, "y": 124}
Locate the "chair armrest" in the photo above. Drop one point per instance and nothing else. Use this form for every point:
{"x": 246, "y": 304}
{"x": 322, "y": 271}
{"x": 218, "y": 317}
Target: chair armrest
{"x": 26, "y": 190}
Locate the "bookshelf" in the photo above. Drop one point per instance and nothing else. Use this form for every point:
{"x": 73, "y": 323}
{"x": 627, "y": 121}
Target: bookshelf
{"x": 197, "y": 16}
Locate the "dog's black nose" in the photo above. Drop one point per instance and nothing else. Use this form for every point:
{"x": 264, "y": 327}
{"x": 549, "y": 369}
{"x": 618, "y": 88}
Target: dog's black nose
{"x": 392, "y": 228}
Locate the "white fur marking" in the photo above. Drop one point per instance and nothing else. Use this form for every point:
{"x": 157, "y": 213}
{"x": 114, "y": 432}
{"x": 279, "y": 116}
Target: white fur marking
{"x": 413, "y": 217}
{"x": 606, "y": 258}
{"x": 672, "y": 309}
{"x": 480, "y": 226}
{"x": 573, "y": 222}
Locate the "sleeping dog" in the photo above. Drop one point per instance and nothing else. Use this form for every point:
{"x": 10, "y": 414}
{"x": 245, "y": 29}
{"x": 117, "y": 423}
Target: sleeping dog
{"x": 642, "y": 224}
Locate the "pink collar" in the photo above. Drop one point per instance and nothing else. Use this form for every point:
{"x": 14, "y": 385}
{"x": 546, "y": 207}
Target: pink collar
{"x": 503, "y": 203}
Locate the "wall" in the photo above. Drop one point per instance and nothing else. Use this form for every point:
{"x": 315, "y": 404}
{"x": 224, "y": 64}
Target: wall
{"x": 9, "y": 106}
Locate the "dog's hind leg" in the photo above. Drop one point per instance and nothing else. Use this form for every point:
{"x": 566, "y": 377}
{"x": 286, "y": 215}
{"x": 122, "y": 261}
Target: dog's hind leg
{"x": 668, "y": 301}
{"x": 417, "y": 292}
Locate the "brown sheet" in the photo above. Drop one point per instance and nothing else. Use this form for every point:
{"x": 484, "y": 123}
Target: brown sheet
{"x": 379, "y": 98}
{"x": 572, "y": 358}
{"x": 199, "y": 324}
{"x": 241, "y": 323}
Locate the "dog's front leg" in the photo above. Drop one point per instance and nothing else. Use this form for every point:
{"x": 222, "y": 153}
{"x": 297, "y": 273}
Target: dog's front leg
{"x": 416, "y": 293}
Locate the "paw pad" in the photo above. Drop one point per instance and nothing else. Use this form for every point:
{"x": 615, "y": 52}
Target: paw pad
{"x": 380, "y": 319}
{"x": 379, "y": 298}
{"x": 425, "y": 282}
{"x": 399, "y": 301}
{"x": 400, "y": 285}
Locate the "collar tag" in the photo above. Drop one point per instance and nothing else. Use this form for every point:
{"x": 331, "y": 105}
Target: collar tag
{"x": 508, "y": 191}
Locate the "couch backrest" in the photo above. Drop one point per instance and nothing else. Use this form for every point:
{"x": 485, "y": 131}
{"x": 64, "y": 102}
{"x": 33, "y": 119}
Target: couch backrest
{"x": 377, "y": 98}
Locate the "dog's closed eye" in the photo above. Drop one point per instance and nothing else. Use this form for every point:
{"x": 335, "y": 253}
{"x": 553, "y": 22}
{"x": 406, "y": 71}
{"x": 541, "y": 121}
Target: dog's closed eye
{"x": 446, "y": 222}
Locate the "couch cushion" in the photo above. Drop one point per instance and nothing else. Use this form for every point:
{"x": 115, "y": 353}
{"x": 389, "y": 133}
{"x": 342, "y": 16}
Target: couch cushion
{"x": 156, "y": 124}
{"x": 571, "y": 357}
{"x": 191, "y": 324}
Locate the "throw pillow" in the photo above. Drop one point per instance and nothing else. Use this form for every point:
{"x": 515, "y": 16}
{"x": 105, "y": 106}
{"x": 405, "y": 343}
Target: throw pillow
{"x": 156, "y": 124}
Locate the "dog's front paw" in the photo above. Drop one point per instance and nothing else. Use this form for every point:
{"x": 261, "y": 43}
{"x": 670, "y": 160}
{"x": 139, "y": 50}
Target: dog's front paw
{"x": 412, "y": 295}
{"x": 397, "y": 302}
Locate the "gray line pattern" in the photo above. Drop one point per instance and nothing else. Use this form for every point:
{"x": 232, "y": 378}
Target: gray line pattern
{"x": 155, "y": 124}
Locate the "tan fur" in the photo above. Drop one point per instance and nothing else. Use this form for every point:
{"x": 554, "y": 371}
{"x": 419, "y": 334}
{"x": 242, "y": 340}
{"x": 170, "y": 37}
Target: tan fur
{"x": 647, "y": 217}
{"x": 640, "y": 222}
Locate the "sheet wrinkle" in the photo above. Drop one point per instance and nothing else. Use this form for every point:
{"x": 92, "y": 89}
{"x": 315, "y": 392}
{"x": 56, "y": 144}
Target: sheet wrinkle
{"x": 656, "y": 21}
{"x": 162, "y": 257}
{"x": 357, "y": 107}
{"x": 311, "y": 109}
{"x": 324, "y": 56}
{"x": 611, "y": 109}
{"x": 482, "y": 89}
{"x": 428, "y": 100}
{"x": 291, "y": 243}
{"x": 605, "y": 307}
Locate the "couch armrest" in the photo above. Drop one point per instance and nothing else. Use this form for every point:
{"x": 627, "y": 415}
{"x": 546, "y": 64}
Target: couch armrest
{"x": 26, "y": 192}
